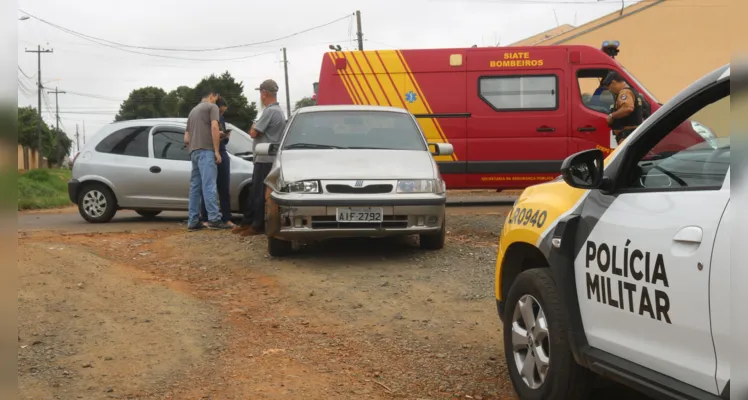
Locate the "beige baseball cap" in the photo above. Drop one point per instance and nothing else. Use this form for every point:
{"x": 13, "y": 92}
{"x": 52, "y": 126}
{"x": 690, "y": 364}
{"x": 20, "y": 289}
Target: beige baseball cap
{"x": 269, "y": 85}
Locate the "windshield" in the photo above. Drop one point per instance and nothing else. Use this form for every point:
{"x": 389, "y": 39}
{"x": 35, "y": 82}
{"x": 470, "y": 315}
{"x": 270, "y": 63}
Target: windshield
{"x": 354, "y": 130}
{"x": 240, "y": 143}
{"x": 642, "y": 87}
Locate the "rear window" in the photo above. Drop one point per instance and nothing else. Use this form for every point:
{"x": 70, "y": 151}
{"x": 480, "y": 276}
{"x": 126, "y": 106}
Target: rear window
{"x": 354, "y": 130}
{"x": 132, "y": 141}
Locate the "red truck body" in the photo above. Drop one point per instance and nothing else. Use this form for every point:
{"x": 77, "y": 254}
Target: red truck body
{"x": 513, "y": 114}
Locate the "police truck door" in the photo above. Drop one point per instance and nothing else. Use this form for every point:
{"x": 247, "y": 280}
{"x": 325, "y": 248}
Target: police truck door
{"x": 645, "y": 251}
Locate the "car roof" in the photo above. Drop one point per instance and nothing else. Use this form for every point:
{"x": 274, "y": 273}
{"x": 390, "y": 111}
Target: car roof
{"x": 351, "y": 107}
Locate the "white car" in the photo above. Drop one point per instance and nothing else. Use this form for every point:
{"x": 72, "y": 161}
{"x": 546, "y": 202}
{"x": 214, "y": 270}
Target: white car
{"x": 622, "y": 267}
{"x": 344, "y": 171}
{"x": 143, "y": 165}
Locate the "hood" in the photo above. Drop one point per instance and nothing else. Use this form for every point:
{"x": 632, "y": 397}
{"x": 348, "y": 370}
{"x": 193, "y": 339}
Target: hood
{"x": 296, "y": 165}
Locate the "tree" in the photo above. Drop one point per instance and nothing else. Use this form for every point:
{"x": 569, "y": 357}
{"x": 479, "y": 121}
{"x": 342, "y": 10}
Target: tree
{"x": 240, "y": 112}
{"x": 66, "y": 144}
{"x": 153, "y": 102}
{"x": 305, "y": 102}
{"x": 179, "y": 102}
{"x": 28, "y": 131}
{"x": 146, "y": 102}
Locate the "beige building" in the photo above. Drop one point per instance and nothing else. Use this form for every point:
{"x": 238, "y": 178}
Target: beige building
{"x": 665, "y": 44}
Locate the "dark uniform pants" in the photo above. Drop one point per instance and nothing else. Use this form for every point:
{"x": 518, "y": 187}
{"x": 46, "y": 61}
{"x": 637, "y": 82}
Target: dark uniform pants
{"x": 254, "y": 212}
{"x": 623, "y": 134}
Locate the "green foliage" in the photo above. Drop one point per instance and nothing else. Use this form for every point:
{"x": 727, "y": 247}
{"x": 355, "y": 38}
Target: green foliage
{"x": 152, "y": 102}
{"x": 43, "y": 188}
{"x": 305, "y": 102}
{"x": 145, "y": 102}
{"x": 28, "y": 120}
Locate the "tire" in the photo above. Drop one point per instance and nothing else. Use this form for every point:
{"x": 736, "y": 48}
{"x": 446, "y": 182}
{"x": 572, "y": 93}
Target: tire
{"x": 564, "y": 378}
{"x": 433, "y": 241}
{"x": 278, "y": 247}
{"x": 148, "y": 213}
{"x": 96, "y": 203}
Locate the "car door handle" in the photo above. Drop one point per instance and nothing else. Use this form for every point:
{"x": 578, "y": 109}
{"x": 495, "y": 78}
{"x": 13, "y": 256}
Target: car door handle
{"x": 155, "y": 169}
{"x": 587, "y": 129}
{"x": 545, "y": 129}
{"x": 689, "y": 234}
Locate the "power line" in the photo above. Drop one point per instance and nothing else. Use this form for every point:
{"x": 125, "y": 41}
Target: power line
{"x": 24, "y": 73}
{"x": 159, "y": 55}
{"x": 93, "y": 38}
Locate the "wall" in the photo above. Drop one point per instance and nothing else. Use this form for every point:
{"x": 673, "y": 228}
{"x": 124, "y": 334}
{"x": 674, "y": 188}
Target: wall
{"x": 666, "y": 45}
{"x": 28, "y": 159}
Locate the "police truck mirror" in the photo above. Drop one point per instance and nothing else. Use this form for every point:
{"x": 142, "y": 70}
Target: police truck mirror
{"x": 584, "y": 170}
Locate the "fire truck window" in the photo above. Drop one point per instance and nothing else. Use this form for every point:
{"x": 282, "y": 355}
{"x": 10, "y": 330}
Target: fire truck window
{"x": 518, "y": 93}
{"x": 592, "y": 96}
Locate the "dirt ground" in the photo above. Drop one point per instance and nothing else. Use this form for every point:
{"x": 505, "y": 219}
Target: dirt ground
{"x": 168, "y": 314}
{"x": 174, "y": 315}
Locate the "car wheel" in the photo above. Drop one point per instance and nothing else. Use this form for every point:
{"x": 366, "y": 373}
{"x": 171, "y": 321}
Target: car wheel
{"x": 96, "y": 203}
{"x": 536, "y": 343}
{"x": 433, "y": 241}
{"x": 148, "y": 213}
{"x": 278, "y": 247}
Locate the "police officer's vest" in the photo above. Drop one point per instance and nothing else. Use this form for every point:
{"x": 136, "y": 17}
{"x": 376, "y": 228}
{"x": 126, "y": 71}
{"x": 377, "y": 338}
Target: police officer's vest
{"x": 633, "y": 119}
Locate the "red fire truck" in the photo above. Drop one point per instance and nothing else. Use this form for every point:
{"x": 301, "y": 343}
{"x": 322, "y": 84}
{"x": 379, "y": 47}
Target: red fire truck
{"x": 512, "y": 113}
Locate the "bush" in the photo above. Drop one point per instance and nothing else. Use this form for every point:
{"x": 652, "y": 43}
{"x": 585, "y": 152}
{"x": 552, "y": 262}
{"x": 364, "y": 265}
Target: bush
{"x": 43, "y": 188}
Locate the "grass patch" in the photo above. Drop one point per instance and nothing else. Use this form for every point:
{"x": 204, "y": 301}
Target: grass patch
{"x": 43, "y": 188}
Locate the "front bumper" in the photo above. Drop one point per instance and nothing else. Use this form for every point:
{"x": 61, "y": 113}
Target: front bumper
{"x": 73, "y": 186}
{"x": 314, "y": 217}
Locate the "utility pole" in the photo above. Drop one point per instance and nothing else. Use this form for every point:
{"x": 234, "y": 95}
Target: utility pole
{"x": 77, "y": 139}
{"x": 39, "y": 52}
{"x": 58, "y": 139}
{"x": 285, "y": 71}
{"x": 359, "y": 33}
{"x": 84, "y": 133}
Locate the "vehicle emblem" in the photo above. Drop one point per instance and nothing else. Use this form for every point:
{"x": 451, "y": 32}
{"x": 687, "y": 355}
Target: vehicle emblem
{"x": 359, "y": 183}
{"x": 411, "y": 97}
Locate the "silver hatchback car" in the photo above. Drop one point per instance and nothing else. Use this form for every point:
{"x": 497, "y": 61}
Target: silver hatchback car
{"x": 345, "y": 171}
{"x": 143, "y": 165}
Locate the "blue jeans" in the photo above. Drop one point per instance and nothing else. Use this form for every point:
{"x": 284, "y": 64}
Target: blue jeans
{"x": 203, "y": 186}
{"x": 224, "y": 195}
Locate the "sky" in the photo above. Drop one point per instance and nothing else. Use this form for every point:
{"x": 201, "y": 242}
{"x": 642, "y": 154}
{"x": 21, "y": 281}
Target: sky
{"x": 98, "y": 77}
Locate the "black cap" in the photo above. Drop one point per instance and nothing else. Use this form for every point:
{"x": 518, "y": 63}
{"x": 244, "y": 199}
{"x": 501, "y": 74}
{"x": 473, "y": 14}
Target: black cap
{"x": 612, "y": 76}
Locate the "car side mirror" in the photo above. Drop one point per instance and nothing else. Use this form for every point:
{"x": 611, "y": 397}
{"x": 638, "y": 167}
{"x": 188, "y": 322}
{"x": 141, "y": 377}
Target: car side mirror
{"x": 441, "y": 149}
{"x": 584, "y": 170}
{"x": 266, "y": 149}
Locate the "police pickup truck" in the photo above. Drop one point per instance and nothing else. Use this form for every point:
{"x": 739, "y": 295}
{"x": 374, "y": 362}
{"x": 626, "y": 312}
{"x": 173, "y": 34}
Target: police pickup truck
{"x": 620, "y": 267}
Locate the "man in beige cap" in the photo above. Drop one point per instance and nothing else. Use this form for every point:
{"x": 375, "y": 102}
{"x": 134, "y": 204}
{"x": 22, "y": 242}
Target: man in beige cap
{"x": 268, "y": 129}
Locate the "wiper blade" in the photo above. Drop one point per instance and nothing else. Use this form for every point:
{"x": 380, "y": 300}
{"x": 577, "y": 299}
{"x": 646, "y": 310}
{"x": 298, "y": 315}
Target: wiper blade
{"x": 311, "y": 146}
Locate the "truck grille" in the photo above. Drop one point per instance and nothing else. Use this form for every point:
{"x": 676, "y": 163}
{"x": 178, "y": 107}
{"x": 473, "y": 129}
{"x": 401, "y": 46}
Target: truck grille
{"x": 371, "y": 189}
{"x": 330, "y": 222}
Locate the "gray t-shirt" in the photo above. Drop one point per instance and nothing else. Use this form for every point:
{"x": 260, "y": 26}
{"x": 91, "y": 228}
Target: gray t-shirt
{"x": 270, "y": 126}
{"x": 199, "y": 125}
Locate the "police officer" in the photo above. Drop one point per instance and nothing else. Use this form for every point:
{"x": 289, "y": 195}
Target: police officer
{"x": 627, "y": 114}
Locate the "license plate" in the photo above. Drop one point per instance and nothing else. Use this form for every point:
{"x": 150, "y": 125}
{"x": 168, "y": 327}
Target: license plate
{"x": 367, "y": 214}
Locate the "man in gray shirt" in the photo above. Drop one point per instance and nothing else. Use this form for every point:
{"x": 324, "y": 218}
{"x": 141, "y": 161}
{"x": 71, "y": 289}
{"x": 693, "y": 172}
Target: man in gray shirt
{"x": 268, "y": 129}
{"x": 202, "y": 138}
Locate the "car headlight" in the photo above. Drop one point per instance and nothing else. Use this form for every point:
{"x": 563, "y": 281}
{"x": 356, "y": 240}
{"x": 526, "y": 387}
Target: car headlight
{"x": 302, "y": 187}
{"x": 421, "y": 186}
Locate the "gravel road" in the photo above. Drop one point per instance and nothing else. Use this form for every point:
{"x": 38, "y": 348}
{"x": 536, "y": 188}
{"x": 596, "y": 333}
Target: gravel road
{"x": 166, "y": 314}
